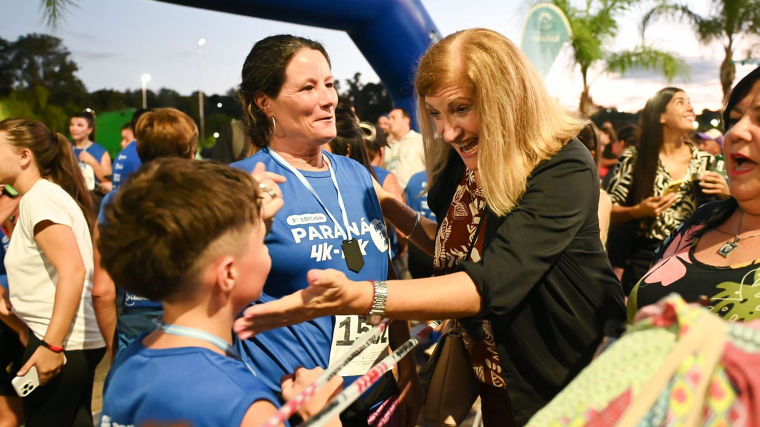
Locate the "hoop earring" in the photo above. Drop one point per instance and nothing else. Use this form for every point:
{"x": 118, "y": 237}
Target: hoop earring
{"x": 274, "y": 125}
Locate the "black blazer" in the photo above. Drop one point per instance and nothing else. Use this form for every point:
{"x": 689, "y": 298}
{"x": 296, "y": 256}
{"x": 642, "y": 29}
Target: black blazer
{"x": 545, "y": 281}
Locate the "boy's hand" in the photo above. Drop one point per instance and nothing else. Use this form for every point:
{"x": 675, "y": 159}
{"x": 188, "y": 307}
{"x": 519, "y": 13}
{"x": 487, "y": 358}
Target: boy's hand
{"x": 292, "y": 384}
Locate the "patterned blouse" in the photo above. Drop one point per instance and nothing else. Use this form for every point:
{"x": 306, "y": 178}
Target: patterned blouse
{"x": 464, "y": 223}
{"x": 731, "y": 290}
{"x": 685, "y": 203}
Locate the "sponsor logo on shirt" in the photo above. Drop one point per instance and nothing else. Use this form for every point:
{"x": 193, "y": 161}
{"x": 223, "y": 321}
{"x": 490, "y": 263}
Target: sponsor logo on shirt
{"x": 130, "y": 299}
{"x": 312, "y": 230}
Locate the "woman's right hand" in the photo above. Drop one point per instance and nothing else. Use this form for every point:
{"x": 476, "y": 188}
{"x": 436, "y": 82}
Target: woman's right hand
{"x": 329, "y": 293}
{"x": 294, "y": 383}
{"x": 654, "y": 206}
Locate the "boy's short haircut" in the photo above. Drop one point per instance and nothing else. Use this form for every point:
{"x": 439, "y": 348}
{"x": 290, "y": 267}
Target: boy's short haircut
{"x": 165, "y": 132}
{"x": 165, "y": 219}
{"x": 128, "y": 125}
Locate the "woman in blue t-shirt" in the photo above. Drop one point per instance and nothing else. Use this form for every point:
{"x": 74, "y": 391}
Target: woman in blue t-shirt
{"x": 331, "y": 219}
{"x": 94, "y": 159}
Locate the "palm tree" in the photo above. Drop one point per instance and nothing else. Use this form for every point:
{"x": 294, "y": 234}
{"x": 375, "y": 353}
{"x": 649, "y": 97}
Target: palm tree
{"x": 729, "y": 22}
{"x": 594, "y": 28}
{"x": 54, "y": 11}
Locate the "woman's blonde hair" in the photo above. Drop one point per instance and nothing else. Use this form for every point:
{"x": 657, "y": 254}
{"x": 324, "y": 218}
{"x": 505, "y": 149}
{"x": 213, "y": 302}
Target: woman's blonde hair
{"x": 520, "y": 124}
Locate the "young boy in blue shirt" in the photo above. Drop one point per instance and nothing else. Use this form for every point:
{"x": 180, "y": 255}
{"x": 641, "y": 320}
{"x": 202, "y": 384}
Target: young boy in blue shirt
{"x": 191, "y": 234}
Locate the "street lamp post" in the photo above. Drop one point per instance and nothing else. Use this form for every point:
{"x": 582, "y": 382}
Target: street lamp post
{"x": 145, "y": 79}
{"x": 201, "y": 42}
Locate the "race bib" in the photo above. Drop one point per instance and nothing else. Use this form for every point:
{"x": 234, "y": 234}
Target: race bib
{"x": 347, "y": 330}
{"x": 89, "y": 175}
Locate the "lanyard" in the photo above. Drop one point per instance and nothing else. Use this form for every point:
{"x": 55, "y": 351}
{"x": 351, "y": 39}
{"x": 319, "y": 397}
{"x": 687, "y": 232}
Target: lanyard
{"x": 223, "y": 345}
{"x": 308, "y": 186}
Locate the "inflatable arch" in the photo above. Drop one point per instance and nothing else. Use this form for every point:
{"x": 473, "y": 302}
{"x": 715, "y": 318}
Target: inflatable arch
{"x": 391, "y": 34}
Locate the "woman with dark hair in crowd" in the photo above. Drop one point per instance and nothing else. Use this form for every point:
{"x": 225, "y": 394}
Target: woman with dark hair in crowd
{"x": 663, "y": 157}
{"x": 714, "y": 254}
{"x": 50, "y": 268}
{"x": 331, "y": 219}
{"x": 517, "y": 252}
{"x": 94, "y": 159}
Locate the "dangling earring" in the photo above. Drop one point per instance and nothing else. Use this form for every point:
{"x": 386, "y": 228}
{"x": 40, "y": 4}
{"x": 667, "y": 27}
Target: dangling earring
{"x": 274, "y": 125}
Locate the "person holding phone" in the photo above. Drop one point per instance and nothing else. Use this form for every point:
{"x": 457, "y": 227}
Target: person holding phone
{"x": 50, "y": 267}
{"x": 713, "y": 256}
{"x": 664, "y": 156}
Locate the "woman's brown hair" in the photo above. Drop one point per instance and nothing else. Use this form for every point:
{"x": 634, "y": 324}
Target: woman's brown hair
{"x": 54, "y": 158}
{"x": 264, "y": 71}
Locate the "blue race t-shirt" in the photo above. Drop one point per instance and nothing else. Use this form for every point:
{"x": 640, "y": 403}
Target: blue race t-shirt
{"x": 191, "y": 384}
{"x": 127, "y": 162}
{"x": 420, "y": 263}
{"x": 381, "y": 175}
{"x": 303, "y": 237}
{"x": 414, "y": 187}
{"x": 97, "y": 151}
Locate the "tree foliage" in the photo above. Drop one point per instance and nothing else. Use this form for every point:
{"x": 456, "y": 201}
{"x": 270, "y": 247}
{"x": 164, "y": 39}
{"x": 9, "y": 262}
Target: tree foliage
{"x": 38, "y": 80}
{"x": 594, "y": 27}
{"x": 728, "y": 21}
{"x": 371, "y": 100}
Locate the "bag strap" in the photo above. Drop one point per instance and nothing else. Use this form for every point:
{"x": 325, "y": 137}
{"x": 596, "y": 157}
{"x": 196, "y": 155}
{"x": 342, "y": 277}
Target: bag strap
{"x": 708, "y": 337}
{"x": 477, "y": 233}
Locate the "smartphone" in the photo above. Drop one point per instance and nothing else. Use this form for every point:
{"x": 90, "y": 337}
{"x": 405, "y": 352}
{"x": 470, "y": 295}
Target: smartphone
{"x": 27, "y": 383}
{"x": 672, "y": 187}
{"x": 10, "y": 191}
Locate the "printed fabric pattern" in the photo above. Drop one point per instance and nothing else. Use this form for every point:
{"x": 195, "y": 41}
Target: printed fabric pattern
{"x": 731, "y": 290}
{"x": 685, "y": 204}
{"x": 452, "y": 244}
{"x": 602, "y": 392}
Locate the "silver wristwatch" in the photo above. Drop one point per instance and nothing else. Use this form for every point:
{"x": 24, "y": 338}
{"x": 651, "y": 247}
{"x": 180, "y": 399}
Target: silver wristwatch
{"x": 377, "y": 312}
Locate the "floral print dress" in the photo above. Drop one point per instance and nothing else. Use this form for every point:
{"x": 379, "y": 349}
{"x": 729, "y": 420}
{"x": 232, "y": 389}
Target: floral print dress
{"x": 734, "y": 291}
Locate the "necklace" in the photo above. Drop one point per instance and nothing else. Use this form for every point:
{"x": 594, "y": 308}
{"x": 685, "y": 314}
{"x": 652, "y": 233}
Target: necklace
{"x": 730, "y": 246}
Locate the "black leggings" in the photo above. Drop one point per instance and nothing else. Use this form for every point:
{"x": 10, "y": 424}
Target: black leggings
{"x": 66, "y": 400}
